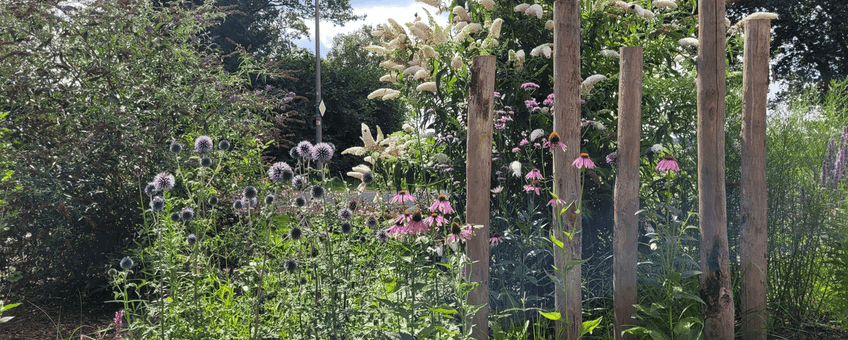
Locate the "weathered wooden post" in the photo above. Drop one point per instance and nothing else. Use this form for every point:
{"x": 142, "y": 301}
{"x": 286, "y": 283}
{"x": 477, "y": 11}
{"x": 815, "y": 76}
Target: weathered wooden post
{"x": 626, "y": 194}
{"x": 568, "y": 299}
{"x": 715, "y": 258}
{"x": 752, "y": 248}
{"x": 478, "y": 172}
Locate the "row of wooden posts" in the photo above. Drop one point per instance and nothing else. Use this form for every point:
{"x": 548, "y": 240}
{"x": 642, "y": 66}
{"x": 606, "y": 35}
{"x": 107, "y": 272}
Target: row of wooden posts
{"x": 716, "y": 291}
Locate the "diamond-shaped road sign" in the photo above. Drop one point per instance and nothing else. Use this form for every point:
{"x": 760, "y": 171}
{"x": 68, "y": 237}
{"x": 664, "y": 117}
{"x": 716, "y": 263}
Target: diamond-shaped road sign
{"x": 322, "y": 108}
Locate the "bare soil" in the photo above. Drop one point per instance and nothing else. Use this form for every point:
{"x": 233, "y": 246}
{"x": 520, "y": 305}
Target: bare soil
{"x": 60, "y": 318}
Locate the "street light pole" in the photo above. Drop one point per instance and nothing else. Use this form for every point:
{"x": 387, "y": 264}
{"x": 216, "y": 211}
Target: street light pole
{"x": 317, "y": 78}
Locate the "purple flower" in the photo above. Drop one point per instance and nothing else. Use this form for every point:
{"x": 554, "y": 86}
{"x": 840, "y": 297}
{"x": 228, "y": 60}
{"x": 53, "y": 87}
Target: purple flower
{"x": 612, "y": 157}
{"x": 529, "y": 87}
{"x": 459, "y": 234}
{"x": 280, "y": 172}
{"x": 583, "y": 161}
{"x": 549, "y": 100}
{"x": 203, "y": 144}
{"x": 322, "y": 152}
{"x": 345, "y": 214}
{"x": 530, "y": 104}
{"x": 534, "y": 174}
{"x": 157, "y": 203}
{"x": 436, "y": 219}
{"x": 668, "y": 163}
{"x": 497, "y": 94}
{"x": 402, "y": 197}
{"x": 554, "y": 142}
{"x": 516, "y": 149}
{"x": 164, "y": 181}
{"x": 441, "y": 203}
{"x": 533, "y": 187}
{"x": 304, "y": 149}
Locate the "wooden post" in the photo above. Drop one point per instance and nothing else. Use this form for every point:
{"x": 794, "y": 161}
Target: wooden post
{"x": 626, "y": 194}
{"x": 752, "y": 248}
{"x": 478, "y": 170}
{"x": 715, "y": 258}
{"x": 568, "y": 299}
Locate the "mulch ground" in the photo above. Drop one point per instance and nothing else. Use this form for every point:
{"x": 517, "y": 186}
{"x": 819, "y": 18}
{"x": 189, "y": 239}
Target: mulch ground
{"x": 59, "y": 318}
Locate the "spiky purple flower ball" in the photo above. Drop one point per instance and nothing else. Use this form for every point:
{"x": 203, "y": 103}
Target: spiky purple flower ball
{"x": 203, "y": 144}
{"x": 187, "y": 214}
{"x": 164, "y": 181}
{"x": 126, "y": 263}
{"x": 157, "y": 203}
{"x": 224, "y": 145}
{"x": 322, "y": 152}
{"x": 176, "y": 147}
{"x": 191, "y": 239}
{"x": 205, "y": 161}
{"x": 280, "y": 172}
{"x": 304, "y": 149}
{"x": 150, "y": 189}
{"x": 250, "y": 192}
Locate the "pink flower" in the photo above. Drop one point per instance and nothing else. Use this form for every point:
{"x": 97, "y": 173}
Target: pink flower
{"x": 549, "y": 100}
{"x": 529, "y": 87}
{"x": 497, "y": 94}
{"x": 495, "y": 239}
{"x": 402, "y": 197}
{"x": 533, "y": 187}
{"x": 402, "y": 219}
{"x": 556, "y": 202}
{"x": 442, "y": 204}
{"x": 459, "y": 234}
{"x": 435, "y": 219}
{"x": 516, "y": 149}
{"x": 534, "y": 174}
{"x": 554, "y": 142}
{"x": 523, "y": 142}
{"x": 612, "y": 157}
{"x": 530, "y": 104}
{"x": 668, "y": 163}
{"x": 399, "y": 229}
{"x": 583, "y": 161}
{"x": 417, "y": 225}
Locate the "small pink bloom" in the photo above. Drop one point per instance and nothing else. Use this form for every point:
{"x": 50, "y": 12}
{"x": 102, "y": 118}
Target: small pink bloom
{"x": 668, "y": 163}
{"x": 441, "y": 203}
{"x": 549, "y": 100}
{"x": 531, "y": 103}
{"x": 417, "y": 225}
{"x": 523, "y": 142}
{"x": 612, "y": 157}
{"x": 435, "y": 219}
{"x": 516, "y": 149}
{"x": 533, "y": 187}
{"x": 404, "y": 218}
{"x": 459, "y": 234}
{"x": 556, "y": 202}
{"x": 583, "y": 161}
{"x": 497, "y": 94}
{"x": 534, "y": 174}
{"x": 495, "y": 240}
{"x": 529, "y": 87}
{"x": 402, "y": 197}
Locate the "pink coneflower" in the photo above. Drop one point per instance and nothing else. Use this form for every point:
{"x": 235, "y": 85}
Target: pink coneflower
{"x": 668, "y": 163}
{"x": 402, "y": 197}
{"x": 612, "y": 157}
{"x": 557, "y": 201}
{"x": 534, "y": 174}
{"x": 495, "y": 239}
{"x": 583, "y": 161}
{"x": 436, "y": 219}
{"x": 554, "y": 142}
{"x": 533, "y": 187}
{"x": 416, "y": 224}
{"x": 404, "y": 218}
{"x": 529, "y": 87}
{"x": 459, "y": 234}
{"x": 441, "y": 203}
{"x": 398, "y": 229}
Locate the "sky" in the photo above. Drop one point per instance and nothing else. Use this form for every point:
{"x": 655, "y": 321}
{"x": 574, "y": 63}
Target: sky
{"x": 376, "y": 12}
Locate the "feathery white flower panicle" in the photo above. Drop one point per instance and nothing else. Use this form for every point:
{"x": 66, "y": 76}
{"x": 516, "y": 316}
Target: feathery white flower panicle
{"x": 391, "y": 78}
{"x": 535, "y": 134}
{"x": 517, "y": 58}
{"x": 396, "y": 28}
{"x": 439, "y": 37}
{"x": 664, "y": 4}
{"x": 495, "y": 28}
{"x": 590, "y": 82}
{"x": 376, "y": 49}
{"x": 758, "y": 15}
{"x": 391, "y": 94}
{"x": 428, "y": 86}
{"x": 536, "y": 10}
{"x": 434, "y": 3}
{"x": 411, "y": 70}
{"x": 388, "y": 64}
{"x": 543, "y": 50}
{"x": 425, "y": 29}
{"x": 456, "y": 62}
{"x": 549, "y": 25}
{"x": 472, "y": 28}
{"x": 488, "y": 4}
{"x": 428, "y": 51}
{"x": 646, "y": 14}
{"x": 421, "y": 74}
{"x": 688, "y": 42}
{"x": 459, "y": 14}
{"x": 678, "y": 58}
{"x": 609, "y": 53}
{"x": 521, "y": 7}
{"x": 515, "y": 167}
{"x": 378, "y": 31}
{"x": 460, "y": 26}
{"x": 378, "y": 93}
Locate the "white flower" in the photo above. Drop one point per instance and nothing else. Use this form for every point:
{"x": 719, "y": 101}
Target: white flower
{"x": 460, "y": 12}
{"x": 646, "y": 14}
{"x": 421, "y": 74}
{"x": 495, "y": 29}
{"x": 441, "y": 158}
{"x": 376, "y": 49}
{"x": 391, "y": 94}
{"x": 378, "y": 93}
{"x": 388, "y": 64}
{"x": 600, "y": 126}
{"x": 497, "y": 189}
{"x": 412, "y": 69}
{"x": 549, "y": 25}
{"x": 472, "y": 28}
{"x": 396, "y": 28}
{"x": 534, "y": 9}
{"x": 536, "y": 134}
{"x": 521, "y": 7}
{"x": 428, "y": 86}
{"x": 406, "y": 127}
{"x": 370, "y": 159}
{"x": 515, "y": 167}
{"x": 656, "y": 148}
{"x": 609, "y": 53}
{"x": 543, "y": 49}
{"x": 456, "y": 62}
{"x": 664, "y": 4}
{"x": 688, "y": 42}
{"x": 678, "y": 58}
{"x": 591, "y": 81}
{"x": 429, "y": 52}
{"x": 519, "y": 55}
{"x": 488, "y": 4}
{"x": 391, "y": 77}
{"x": 459, "y": 26}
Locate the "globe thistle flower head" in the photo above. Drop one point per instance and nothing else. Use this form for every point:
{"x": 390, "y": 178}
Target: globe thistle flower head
{"x": 291, "y": 265}
{"x": 298, "y": 182}
{"x": 317, "y": 192}
{"x": 345, "y": 214}
{"x": 293, "y": 153}
{"x": 295, "y": 233}
{"x": 127, "y": 263}
{"x": 175, "y": 147}
{"x": 150, "y": 189}
{"x": 175, "y": 216}
{"x": 280, "y": 172}
{"x": 346, "y": 228}
{"x": 224, "y": 145}
{"x": 157, "y": 203}
{"x": 203, "y": 144}
{"x": 164, "y": 181}
{"x": 352, "y": 205}
{"x": 205, "y": 161}
{"x": 269, "y": 199}
{"x": 300, "y": 201}
{"x": 250, "y": 192}
{"x": 368, "y": 177}
{"x": 322, "y": 152}
{"x": 212, "y": 200}
{"x": 382, "y": 235}
{"x": 191, "y": 240}
{"x": 668, "y": 164}
{"x": 304, "y": 149}
{"x": 187, "y": 214}
{"x": 583, "y": 162}
{"x": 238, "y": 205}
{"x": 372, "y": 222}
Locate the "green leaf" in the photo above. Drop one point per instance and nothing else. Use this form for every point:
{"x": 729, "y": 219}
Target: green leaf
{"x": 444, "y": 310}
{"x": 552, "y": 315}
{"x": 558, "y": 243}
{"x": 589, "y": 325}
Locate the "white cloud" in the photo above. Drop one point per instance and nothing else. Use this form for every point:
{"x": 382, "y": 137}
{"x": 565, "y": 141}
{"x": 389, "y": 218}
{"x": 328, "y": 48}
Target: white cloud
{"x": 375, "y": 14}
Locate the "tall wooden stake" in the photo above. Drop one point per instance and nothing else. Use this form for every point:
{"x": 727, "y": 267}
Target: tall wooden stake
{"x": 478, "y": 170}
{"x": 715, "y": 258}
{"x": 568, "y": 295}
{"x": 627, "y": 189}
{"x": 752, "y": 248}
